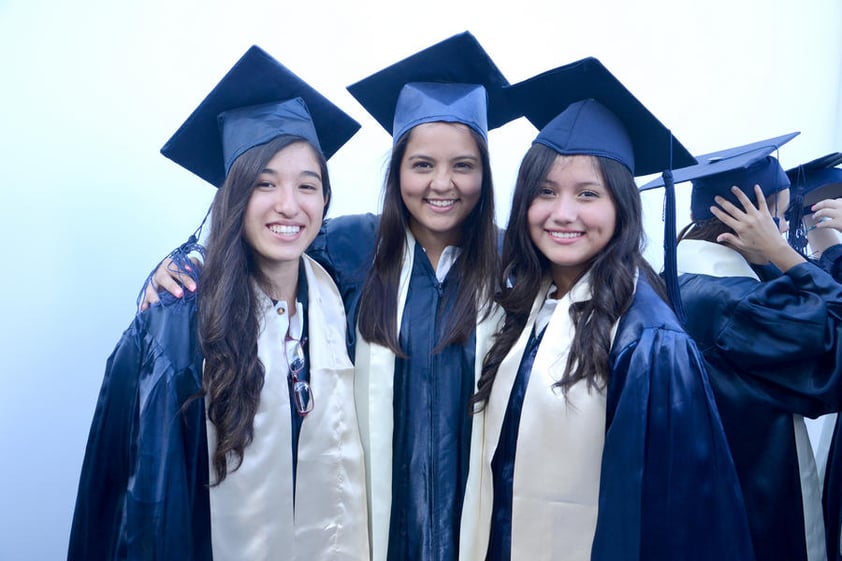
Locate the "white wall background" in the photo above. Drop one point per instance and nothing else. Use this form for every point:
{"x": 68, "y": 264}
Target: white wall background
{"x": 91, "y": 89}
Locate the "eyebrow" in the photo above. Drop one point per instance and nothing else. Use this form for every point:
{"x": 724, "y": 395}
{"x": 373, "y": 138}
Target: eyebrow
{"x": 422, "y": 156}
{"x": 306, "y": 172}
{"x": 579, "y": 184}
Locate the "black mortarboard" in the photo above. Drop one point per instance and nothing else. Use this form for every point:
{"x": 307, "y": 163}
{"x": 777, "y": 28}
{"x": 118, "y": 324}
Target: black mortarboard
{"x": 812, "y": 182}
{"x": 581, "y": 108}
{"x": 744, "y": 166}
{"x": 817, "y": 179}
{"x": 257, "y": 100}
{"x": 452, "y": 81}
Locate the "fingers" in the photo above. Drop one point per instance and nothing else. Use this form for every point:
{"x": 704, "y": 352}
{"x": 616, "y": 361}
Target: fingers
{"x": 761, "y": 199}
{"x": 170, "y": 278}
{"x": 835, "y": 204}
{"x": 828, "y": 214}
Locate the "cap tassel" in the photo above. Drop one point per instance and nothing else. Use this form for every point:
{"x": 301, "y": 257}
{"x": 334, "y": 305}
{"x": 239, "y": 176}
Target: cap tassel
{"x": 670, "y": 257}
{"x": 180, "y": 258}
{"x": 797, "y": 235}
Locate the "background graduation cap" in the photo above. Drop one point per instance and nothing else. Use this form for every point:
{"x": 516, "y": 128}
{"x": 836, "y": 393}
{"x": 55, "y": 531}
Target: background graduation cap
{"x": 257, "y": 100}
{"x": 581, "y": 108}
{"x": 452, "y": 81}
{"x": 811, "y": 182}
{"x": 743, "y": 166}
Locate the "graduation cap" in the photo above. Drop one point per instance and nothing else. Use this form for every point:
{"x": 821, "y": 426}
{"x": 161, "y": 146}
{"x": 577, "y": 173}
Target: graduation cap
{"x": 453, "y": 81}
{"x": 812, "y": 182}
{"x": 256, "y": 101}
{"x": 817, "y": 179}
{"x": 744, "y": 166}
{"x": 583, "y": 109}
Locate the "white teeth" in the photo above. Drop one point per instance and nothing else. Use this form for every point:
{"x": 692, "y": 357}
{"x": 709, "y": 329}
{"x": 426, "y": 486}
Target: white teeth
{"x": 441, "y": 203}
{"x": 284, "y": 230}
{"x": 565, "y": 235}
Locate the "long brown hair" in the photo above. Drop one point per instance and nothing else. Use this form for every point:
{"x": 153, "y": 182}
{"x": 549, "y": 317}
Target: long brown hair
{"x": 476, "y": 266}
{"x": 229, "y": 321}
{"x": 612, "y": 275}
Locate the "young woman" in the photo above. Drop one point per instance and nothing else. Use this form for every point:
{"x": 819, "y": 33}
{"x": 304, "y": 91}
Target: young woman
{"x": 815, "y": 214}
{"x": 816, "y": 218}
{"x": 226, "y": 427}
{"x": 767, "y": 322}
{"x": 601, "y": 439}
{"x": 418, "y": 285}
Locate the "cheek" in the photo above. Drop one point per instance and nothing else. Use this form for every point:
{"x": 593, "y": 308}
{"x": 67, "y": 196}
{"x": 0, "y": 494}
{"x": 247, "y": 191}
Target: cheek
{"x": 406, "y": 186}
{"x": 252, "y": 211}
{"x": 535, "y": 218}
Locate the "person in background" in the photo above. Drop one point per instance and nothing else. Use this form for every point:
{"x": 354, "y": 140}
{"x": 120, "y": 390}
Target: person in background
{"x": 767, "y": 322}
{"x": 815, "y": 214}
{"x": 418, "y": 285}
{"x": 225, "y": 428}
{"x": 601, "y": 439}
{"x": 817, "y": 209}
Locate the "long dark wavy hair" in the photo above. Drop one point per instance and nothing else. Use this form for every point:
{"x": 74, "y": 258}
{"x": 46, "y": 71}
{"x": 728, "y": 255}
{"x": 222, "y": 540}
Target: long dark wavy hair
{"x": 612, "y": 274}
{"x": 229, "y": 318}
{"x": 476, "y": 266}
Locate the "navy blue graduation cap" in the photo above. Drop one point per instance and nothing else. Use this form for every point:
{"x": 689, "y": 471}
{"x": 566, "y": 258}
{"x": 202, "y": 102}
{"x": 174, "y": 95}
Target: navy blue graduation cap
{"x": 811, "y": 182}
{"x": 583, "y": 109}
{"x": 256, "y": 101}
{"x": 817, "y": 179}
{"x": 452, "y": 81}
{"x": 744, "y": 166}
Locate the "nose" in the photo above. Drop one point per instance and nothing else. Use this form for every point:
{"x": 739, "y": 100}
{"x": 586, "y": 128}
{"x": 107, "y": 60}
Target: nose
{"x": 783, "y": 225}
{"x": 442, "y": 181}
{"x": 286, "y": 203}
{"x": 564, "y": 210}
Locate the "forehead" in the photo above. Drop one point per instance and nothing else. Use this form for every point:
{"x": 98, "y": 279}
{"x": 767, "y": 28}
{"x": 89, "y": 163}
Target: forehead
{"x": 442, "y": 134}
{"x": 577, "y": 168}
{"x": 297, "y": 153}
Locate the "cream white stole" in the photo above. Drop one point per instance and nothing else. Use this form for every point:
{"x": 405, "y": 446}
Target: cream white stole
{"x": 559, "y": 449}
{"x": 716, "y": 260}
{"x": 374, "y": 394}
{"x": 252, "y": 515}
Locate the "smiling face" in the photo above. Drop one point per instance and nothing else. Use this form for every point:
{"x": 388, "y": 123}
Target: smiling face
{"x": 573, "y": 217}
{"x": 440, "y": 182}
{"x": 285, "y": 209}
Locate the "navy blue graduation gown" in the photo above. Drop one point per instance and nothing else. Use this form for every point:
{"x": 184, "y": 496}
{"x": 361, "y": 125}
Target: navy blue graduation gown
{"x": 772, "y": 349}
{"x": 668, "y": 487}
{"x": 143, "y": 487}
{"x": 432, "y": 429}
{"x": 345, "y": 248}
{"x": 432, "y": 422}
{"x": 831, "y": 261}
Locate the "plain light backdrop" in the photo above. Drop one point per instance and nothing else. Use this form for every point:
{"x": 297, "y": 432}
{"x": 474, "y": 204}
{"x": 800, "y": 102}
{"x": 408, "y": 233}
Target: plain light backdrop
{"x": 91, "y": 89}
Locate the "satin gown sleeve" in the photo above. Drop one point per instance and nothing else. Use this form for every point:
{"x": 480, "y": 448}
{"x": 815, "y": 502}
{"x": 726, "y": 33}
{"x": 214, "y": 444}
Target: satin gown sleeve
{"x": 669, "y": 488}
{"x": 782, "y": 335}
{"x": 143, "y": 486}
